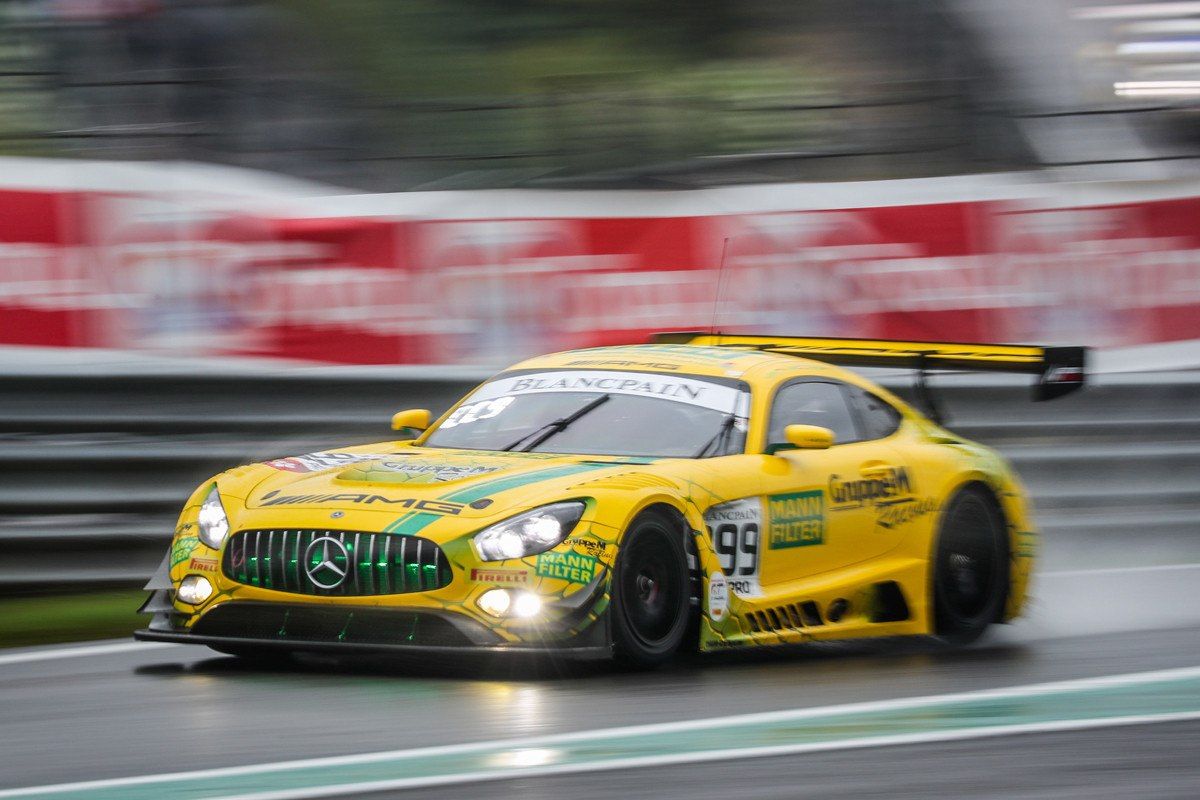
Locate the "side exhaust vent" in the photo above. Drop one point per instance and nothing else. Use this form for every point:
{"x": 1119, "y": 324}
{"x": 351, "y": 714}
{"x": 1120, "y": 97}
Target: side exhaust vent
{"x": 888, "y": 603}
{"x": 795, "y": 616}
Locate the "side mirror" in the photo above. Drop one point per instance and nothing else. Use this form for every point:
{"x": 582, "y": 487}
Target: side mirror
{"x": 418, "y": 418}
{"x": 809, "y": 437}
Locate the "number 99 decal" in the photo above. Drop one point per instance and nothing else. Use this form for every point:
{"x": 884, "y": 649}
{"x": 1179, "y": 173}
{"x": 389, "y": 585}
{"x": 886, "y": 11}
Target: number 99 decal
{"x": 734, "y": 529}
{"x": 737, "y": 545}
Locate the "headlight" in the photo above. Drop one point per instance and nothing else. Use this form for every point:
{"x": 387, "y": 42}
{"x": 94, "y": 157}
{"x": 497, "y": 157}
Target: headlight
{"x": 503, "y": 603}
{"x": 194, "y": 590}
{"x": 529, "y": 533}
{"x": 214, "y": 525}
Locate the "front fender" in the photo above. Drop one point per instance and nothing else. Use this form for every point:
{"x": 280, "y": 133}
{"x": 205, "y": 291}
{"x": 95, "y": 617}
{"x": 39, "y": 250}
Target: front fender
{"x": 711, "y": 587}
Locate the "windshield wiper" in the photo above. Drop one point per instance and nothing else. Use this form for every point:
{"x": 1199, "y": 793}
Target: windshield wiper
{"x": 719, "y": 438}
{"x": 550, "y": 429}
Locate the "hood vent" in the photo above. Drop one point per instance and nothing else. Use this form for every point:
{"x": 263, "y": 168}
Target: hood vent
{"x": 629, "y": 481}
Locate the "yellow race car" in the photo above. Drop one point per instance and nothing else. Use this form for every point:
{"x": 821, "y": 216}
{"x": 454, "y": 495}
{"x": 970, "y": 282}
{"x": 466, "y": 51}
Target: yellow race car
{"x": 704, "y": 491}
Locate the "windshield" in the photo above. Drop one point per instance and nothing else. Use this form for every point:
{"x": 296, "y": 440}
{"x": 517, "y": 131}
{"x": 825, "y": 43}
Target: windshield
{"x": 601, "y": 413}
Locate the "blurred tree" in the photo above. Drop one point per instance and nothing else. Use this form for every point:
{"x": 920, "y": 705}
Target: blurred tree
{"x": 424, "y": 93}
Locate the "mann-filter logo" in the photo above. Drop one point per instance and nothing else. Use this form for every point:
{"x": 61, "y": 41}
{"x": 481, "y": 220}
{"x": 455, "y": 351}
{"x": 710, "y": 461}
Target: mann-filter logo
{"x": 572, "y": 567}
{"x": 796, "y": 519}
{"x": 181, "y": 549}
{"x": 888, "y": 483}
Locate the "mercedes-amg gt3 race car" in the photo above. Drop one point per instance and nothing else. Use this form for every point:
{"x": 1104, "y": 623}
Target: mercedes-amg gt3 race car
{"x": 705, "y": 491}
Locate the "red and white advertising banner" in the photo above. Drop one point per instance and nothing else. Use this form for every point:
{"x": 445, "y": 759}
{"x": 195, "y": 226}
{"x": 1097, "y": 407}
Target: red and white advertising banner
{"x": 389, "y": 279}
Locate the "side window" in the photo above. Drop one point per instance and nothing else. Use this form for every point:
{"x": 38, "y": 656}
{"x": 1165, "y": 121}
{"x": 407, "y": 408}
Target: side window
{"x": 812, "y": 403}
{"x": 879, "y": 418}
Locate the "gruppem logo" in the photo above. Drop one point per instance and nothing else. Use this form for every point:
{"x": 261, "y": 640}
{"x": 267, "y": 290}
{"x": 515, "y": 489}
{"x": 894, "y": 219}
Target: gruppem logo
{"x": 884, "y": 485}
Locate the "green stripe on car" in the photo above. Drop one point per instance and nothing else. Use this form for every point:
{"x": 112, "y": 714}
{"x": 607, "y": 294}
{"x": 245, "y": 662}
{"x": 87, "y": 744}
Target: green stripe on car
{"x": 413, "y": 522}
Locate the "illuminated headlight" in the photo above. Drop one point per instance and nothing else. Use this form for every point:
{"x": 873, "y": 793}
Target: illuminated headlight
{"x": 526, "y": 605}
{"x": 529, "y": 533}
{"x": 495, "y": 602}
{"x": 214, "y": 525}
{"x": 503, "y": 603}
{"x": 194, "y": 589}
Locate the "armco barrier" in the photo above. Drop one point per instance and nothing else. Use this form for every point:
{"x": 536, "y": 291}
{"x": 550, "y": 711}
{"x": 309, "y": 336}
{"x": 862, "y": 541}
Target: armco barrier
{"x": 93, "y": 469}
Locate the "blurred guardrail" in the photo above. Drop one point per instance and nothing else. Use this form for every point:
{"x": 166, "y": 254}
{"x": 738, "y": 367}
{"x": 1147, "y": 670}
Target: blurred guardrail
{"x": 93, "y": 469}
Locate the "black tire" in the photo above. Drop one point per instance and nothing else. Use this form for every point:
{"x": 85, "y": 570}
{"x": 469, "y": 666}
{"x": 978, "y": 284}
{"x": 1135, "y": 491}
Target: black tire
{"x": 970, "y": 569}
{"x": 650, "y": 590}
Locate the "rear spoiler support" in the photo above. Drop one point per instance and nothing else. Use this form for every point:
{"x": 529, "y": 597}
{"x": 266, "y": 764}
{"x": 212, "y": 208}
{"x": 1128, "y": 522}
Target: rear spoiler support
{"x": 925, "y": 393}
{"x": 1059, "y": 370}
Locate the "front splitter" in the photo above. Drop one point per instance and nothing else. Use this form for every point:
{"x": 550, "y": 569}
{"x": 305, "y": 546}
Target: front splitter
{"x": 591, "y": 653}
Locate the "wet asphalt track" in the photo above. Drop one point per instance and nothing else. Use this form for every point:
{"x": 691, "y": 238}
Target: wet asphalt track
{"x": 167, "y": 708}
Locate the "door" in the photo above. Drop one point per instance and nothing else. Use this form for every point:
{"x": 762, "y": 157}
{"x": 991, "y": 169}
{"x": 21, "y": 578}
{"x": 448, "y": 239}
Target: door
{"x": 822, "y": 509}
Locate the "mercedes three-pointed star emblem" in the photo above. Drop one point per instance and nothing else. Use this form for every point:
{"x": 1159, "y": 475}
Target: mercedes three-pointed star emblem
{"x": 325, "y": 573}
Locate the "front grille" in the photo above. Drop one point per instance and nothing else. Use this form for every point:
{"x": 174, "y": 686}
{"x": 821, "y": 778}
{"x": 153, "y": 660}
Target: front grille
{"x": 335, "y": 563}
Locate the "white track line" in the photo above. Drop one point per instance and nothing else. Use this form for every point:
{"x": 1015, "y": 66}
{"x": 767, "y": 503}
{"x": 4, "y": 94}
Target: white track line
{"x": 796, "y": 714}
{"x": 79, "y": 652}
{"x": 713, "y": 756}
{"x": 1073, "y": 573}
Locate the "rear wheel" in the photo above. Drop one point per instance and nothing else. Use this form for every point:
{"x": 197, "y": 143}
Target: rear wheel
{"x": 650, "y": 593}
{"x": 970, "y": 575}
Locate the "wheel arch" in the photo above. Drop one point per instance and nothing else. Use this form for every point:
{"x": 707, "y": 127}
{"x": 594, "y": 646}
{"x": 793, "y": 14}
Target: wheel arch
{"x": 670, "y": 506}
{"x": 672, "y": 511}
{"x": 701, "y": 560}
{"x": 990, "y": 486}
{"x": 983, "y": 483}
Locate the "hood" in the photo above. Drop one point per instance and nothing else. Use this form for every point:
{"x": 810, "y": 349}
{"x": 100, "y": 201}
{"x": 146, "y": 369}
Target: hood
{"x": 472, "y": 483}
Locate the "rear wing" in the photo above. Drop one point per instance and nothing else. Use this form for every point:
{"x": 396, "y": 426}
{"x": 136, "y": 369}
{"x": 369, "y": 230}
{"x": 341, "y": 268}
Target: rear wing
{"x": 1059, "y": 370}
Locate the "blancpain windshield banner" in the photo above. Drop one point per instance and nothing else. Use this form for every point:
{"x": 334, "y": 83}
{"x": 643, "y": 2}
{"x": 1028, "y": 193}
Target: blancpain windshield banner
{"x": 643, "y": 384}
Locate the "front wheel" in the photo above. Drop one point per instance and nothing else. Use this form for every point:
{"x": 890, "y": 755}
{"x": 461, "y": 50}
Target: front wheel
{"x": 649, "y": 593}
{"x": 970, "y": 571}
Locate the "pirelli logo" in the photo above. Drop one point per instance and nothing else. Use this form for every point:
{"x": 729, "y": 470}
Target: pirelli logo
{"x": 511, "y": 577}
